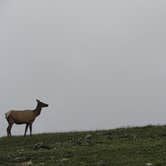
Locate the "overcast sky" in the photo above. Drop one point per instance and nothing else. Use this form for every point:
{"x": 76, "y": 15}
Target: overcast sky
{"x": 98, "y": 64}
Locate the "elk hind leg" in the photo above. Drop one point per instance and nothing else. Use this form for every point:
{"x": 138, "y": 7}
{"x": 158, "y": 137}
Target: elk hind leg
{"x": 9, "y": 129}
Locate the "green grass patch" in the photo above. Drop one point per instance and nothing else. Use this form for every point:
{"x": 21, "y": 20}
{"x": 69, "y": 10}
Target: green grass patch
{"x": 135, "y": 146}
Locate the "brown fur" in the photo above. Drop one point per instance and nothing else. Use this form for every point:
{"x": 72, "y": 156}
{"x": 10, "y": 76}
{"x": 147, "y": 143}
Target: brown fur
{"x": 23, "y": 117}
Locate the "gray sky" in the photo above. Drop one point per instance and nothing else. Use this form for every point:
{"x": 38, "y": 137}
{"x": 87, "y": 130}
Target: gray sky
{"x": 99, "y": 64}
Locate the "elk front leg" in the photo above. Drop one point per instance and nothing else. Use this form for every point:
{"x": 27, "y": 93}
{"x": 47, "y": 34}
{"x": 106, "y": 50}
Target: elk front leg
{"x": 26, "y": 127}
{"x": 30, "y": 128}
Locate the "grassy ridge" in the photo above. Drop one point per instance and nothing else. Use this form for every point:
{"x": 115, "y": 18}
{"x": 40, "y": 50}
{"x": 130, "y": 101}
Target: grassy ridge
{"x": 137, "y": 146}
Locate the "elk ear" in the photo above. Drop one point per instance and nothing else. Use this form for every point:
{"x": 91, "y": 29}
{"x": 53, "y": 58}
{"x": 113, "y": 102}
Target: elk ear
{"x": 37, "y": 100}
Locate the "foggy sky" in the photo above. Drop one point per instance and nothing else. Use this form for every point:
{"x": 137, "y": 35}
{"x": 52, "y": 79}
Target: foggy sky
{"x": 98, "y": 64}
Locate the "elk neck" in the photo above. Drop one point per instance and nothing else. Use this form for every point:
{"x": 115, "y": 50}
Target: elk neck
{"x": 37, "y": 110}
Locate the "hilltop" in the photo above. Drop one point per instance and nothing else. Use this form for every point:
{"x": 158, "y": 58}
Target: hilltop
{"x": 137, "y": 146}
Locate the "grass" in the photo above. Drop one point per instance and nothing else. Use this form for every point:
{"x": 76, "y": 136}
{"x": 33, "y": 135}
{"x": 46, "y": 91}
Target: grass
{"x": 135, "y": 146}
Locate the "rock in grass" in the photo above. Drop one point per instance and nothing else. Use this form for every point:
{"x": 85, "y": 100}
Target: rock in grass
{"x": 88, "y": 136}
{"x": 20, "y": 151}
{"x": 64, "y": 159}
{"x": 21, "y": 159}
{"x": 101, "y": 163}
{"x": 40, "y": 145}
{"x": 108, "y": 135}
{"x": 76, "y": 141}
{"x": 41, "y": 164}
{"x": 27, "y": 163}
{"x": 88, "y": 139}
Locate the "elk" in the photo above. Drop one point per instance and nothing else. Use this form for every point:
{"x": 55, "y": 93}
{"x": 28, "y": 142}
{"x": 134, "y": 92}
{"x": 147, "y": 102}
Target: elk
{"x": 24, "y": 117}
